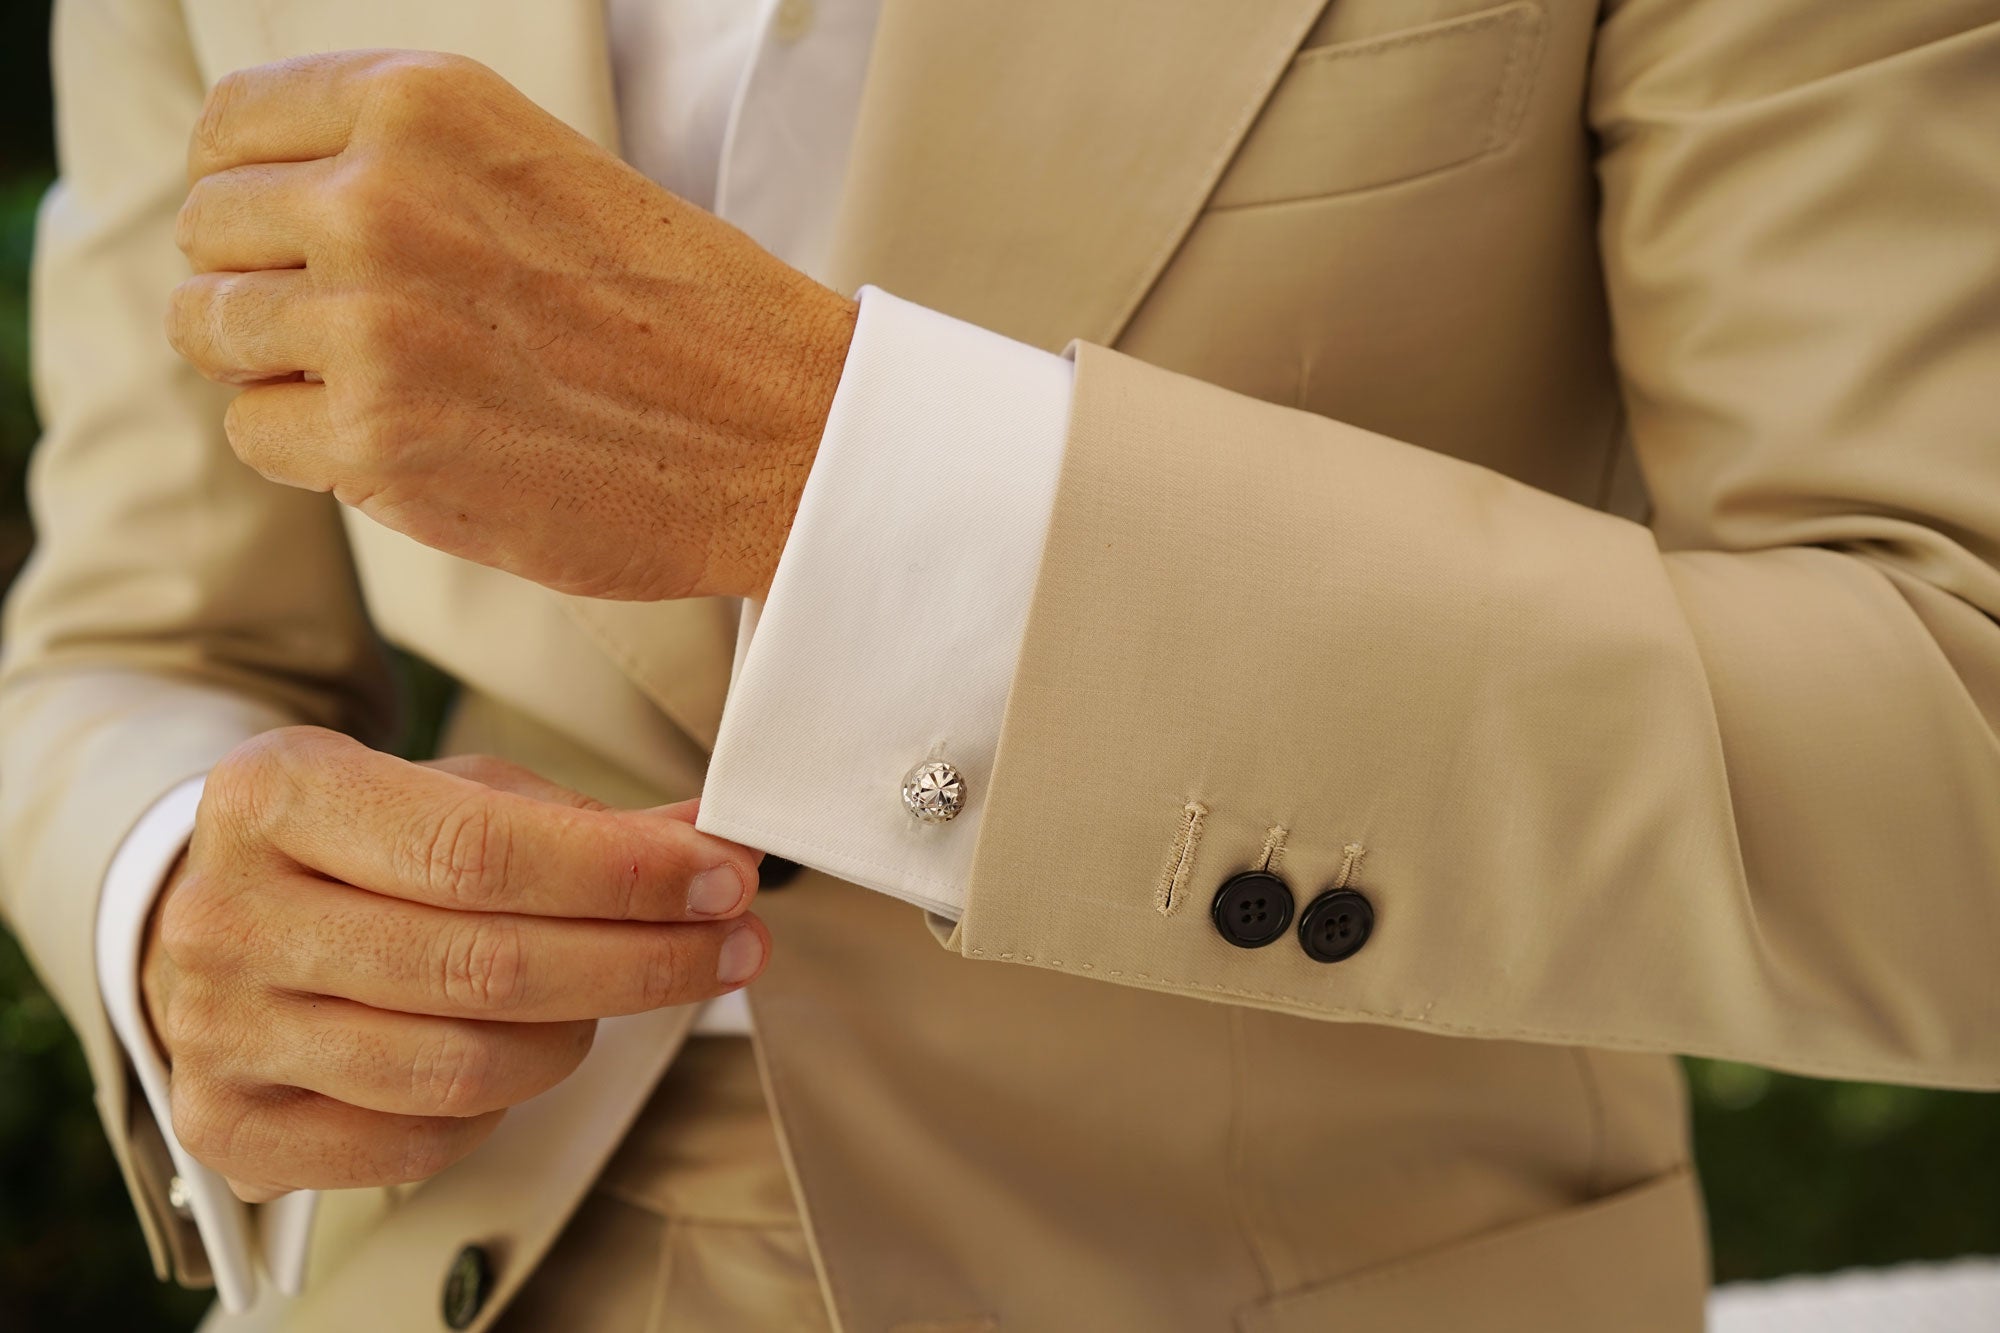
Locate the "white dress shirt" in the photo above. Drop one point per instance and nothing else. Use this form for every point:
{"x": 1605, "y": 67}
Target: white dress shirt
{"x": 896, "y": 616}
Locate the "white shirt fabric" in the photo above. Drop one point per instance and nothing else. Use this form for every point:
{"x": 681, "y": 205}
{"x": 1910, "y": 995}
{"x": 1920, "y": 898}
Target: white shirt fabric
{"x": 888, "y": 643}
{"x": 895, "y": 620}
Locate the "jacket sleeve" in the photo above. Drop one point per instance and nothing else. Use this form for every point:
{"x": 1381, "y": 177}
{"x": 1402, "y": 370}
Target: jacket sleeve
{"x": 176, "y": 603}
{"x": 1727, "y": 785}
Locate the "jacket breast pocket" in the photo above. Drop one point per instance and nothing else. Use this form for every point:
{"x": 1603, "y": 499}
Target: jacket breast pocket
{"x": 1389, "y": 108}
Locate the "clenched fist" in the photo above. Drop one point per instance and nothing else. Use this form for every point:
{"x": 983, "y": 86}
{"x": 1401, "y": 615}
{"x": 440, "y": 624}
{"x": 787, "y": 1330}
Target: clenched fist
{"x": 477, "y": 327}
{"x": 362, "y": 962}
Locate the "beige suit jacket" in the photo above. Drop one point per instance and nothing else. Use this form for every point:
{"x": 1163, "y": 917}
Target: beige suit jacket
{"x": 1549, "y": 447}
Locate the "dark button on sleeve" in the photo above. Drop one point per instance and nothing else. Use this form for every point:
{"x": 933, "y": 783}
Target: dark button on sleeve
{"x": 466, "y": 1287}
{"x": 1252, "y": 909}
{"x": 1335, "y": 925}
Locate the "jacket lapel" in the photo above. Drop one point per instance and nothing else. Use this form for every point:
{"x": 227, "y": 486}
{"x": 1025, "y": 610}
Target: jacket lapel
{"x": 678, "y": 653}
{"x": 1031, "y": 165}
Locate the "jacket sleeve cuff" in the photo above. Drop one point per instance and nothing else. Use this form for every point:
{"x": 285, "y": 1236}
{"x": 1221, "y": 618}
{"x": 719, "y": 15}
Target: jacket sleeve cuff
{"x": 896, "y": 615}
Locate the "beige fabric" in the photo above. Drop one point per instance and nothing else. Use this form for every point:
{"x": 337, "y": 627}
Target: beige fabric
{"x": 1728, "y": 786}
{"x": 692, "y": 1225}
{"x": 1404, "y": 293}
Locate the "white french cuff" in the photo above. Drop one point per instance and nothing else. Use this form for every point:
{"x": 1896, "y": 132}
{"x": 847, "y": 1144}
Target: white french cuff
{"x": 125, "y": 903}
{"x": 896, "y": 616}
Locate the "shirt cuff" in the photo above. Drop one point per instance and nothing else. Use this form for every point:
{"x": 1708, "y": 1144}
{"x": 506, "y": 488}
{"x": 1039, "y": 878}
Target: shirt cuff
{"x": 897, "y": 612}
{"x": 125, "y": 903}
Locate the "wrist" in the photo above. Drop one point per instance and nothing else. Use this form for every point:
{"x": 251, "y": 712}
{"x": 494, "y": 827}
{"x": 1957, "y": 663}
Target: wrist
{"x": 812, "y": 344}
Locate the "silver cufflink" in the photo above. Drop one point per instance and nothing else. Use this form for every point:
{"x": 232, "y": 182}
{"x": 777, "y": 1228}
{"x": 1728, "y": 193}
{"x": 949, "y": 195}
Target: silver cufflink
{"x": 933, "y": 792}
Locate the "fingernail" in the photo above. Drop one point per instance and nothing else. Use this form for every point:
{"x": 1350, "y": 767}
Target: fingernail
{"x": 715, "y": 891}
{"x": 742, "y": 954}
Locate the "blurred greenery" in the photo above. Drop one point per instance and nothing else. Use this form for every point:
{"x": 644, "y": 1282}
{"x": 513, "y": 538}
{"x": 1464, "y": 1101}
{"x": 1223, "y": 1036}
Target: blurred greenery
{"x": 1801, "y": 1175}
{"x": 1806, "y": 1176}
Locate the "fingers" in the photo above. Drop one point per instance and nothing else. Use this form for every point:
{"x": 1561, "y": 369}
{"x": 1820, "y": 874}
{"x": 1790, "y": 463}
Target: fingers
{"x": 508, "y": 776}
{"x": 432, "y": 837}
{"x": 289, "y": 111}
{"x": 308, "y": 107}
{"x": 405, "y": 1064}
{"x": 283, "y": 430}
{"x": 329, "y": 939}
{"x": 240, "y": 328}
{"x": 256, "y": 216}
{"x": 490, "y": 771}
{"x": 274, "y": 1140}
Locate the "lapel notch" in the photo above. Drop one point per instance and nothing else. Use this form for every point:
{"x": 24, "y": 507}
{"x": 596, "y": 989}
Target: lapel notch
{"x": 1032, "y": 165}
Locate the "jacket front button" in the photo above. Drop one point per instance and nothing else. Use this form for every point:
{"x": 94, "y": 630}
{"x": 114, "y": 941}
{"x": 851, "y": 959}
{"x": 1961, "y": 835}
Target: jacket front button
{"x": 1335, "y": 925}
{"x": 1252, "y": 909}
{"x": 466, "y": 1287}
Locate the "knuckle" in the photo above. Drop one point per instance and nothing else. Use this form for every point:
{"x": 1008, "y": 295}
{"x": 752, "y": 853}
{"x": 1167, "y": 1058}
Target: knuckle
{"x": 187, "y": 223}
{"x": 662, "y": 978}
{"x": 426, "y": 1150}
{"x": 208, "y": 932}
{"x": 232, "y": 305}
{"x": 194, "y": 1124}
{"x": 188, "y": 920}
{"x": 292, "y": 747}
{"x": 467, "y": 854}
{"x": 453, "y": 1074}
{"x": 209, "y": 1121}
{"x": 240, "y": 786}
{"x": 217, "y": 321}
{"x": 187, "y": 1032}
{"x": 215, "y": 941}
{"x": 242, "y": 439}
{"x": 185, "y": 317}
{"x": 417, "y": 81}
{"x": 210, "y": 136}
{"x": 258, "y": 786}
{"x": 485, "y": 965}
{"x": 251, "y": 437}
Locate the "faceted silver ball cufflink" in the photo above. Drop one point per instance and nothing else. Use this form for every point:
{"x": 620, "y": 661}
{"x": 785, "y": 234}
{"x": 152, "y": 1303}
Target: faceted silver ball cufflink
{"x": 933, "y": 792}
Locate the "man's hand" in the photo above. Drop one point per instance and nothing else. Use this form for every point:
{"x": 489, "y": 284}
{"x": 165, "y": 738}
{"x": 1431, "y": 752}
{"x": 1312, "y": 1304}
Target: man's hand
{"x": 361, "y": 962}
{"x": 469, "y": 322}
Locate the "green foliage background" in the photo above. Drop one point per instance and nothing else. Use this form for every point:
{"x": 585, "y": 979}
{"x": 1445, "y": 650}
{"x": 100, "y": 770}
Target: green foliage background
{"x": 1801, "y": 1175}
